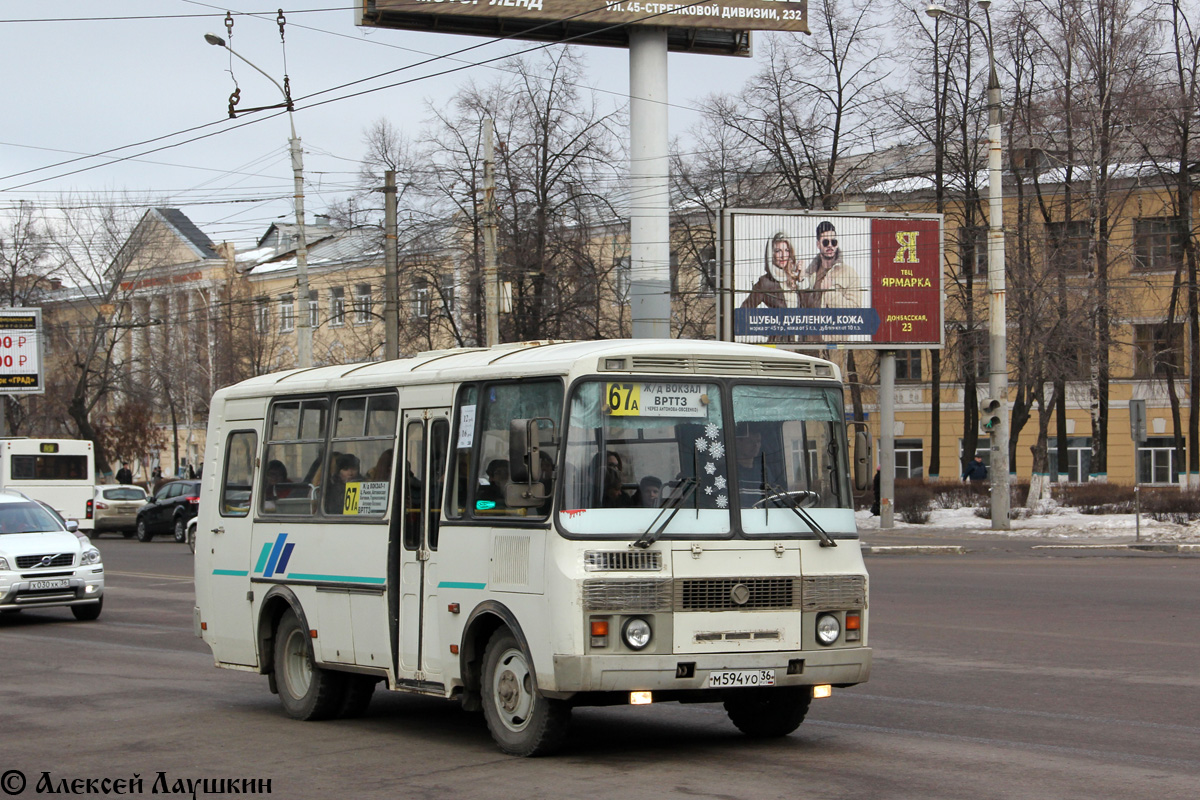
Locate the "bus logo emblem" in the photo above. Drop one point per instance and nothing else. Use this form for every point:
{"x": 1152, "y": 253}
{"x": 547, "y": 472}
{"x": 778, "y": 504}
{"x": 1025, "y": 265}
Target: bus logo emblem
{"x": 740, "y": 594}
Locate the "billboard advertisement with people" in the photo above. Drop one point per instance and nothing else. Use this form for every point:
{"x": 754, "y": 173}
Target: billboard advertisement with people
{"x": 827, "y": 279}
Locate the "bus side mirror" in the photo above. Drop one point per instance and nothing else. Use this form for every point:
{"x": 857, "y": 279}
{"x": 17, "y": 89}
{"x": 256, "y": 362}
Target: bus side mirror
{"x": 862, "y": 460}
{"x": 525, "y": 449}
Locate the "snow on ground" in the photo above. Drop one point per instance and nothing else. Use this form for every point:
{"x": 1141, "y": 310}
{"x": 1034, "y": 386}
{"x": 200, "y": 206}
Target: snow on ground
{"x": 1055, "y": 524}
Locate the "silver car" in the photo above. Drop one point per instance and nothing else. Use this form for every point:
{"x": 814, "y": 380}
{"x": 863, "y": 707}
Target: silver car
{"x": 114, "y": 509}
{"x": 43, "y": 564}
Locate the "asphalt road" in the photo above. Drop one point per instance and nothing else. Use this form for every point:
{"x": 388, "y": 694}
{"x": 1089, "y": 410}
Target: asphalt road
{"x": 998, "y": 674}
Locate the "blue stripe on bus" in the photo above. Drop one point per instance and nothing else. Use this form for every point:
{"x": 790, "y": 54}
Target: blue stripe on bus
{"x": 262, "y": 557}
{"x": 461, "y": 585}
{"x": 281, "y": 567}
{"x": 275, "y": 553}
{"x": 300, "y": 576}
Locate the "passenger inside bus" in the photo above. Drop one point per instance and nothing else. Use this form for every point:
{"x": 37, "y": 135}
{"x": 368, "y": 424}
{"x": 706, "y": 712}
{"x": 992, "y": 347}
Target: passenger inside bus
{"x": 498, "y": 478}
{"x": 383, "y": 467}
{"x": 273, "y": 488}
{"x": 650, "y": 489}
{"x": 345, "y": 471}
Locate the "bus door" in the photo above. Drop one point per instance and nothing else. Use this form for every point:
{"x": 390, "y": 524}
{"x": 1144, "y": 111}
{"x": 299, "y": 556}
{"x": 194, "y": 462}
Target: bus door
{"x": 426, "y": 435}
{"x": 223, "y": 543}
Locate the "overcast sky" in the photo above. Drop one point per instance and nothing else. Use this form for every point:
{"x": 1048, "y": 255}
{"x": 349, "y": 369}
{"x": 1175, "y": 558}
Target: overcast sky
{"x": 89, "y": 76}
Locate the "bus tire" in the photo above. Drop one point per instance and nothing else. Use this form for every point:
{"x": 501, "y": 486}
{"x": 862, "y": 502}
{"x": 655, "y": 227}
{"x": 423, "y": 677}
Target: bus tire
{"x": 357, "y": 697}
{"x": 523, "y": 721}
{"x": 180, "y": 530}
{"x": 768, "y": 713}
{"x": 143, "y": 533}
{"x": 305, "y": 690}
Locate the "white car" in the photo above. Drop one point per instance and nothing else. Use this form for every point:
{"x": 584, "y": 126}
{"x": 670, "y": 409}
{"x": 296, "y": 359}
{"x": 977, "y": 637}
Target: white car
{"x": 43, "y": 564}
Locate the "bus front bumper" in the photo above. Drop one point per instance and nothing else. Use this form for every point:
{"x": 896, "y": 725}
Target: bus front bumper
{"x": 688, "y": 672}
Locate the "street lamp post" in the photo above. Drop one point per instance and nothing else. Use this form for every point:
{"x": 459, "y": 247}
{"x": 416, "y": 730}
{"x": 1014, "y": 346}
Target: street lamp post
{"x": 303, "y": 326}
{"x": 997, "y": 311}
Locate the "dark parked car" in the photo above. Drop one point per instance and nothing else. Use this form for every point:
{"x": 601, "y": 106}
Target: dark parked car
{"x": 169, "y": 510}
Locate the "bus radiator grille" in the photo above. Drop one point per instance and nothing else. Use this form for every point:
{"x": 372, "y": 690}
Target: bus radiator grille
{"x": 834, "y": 592}
{"x": 736, "y": 594}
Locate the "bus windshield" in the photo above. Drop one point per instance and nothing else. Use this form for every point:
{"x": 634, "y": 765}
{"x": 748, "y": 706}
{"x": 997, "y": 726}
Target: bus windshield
{"x": 789, "y": 450}
{"x": 634, "y": 449}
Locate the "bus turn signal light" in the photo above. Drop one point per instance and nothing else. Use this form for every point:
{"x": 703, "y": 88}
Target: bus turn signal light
{"x": 853, "y": 626}
{"x": 599, "y": 632}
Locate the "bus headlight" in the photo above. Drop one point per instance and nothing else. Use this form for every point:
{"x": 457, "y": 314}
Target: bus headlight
{"x": 636, "y": 633}
{"x": 828, "y": 629}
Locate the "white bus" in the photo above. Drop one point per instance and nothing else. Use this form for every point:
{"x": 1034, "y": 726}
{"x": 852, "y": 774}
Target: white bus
{"x": 538, "y": 526}
{"x": 60, "y": 472}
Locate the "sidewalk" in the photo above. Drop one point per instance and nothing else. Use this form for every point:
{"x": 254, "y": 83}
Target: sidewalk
{"x": 959, "y": 531}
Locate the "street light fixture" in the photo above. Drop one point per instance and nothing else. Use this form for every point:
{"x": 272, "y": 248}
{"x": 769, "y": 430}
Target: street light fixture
{"x": 997, "y": 311}
{"x": 303, "y": 325}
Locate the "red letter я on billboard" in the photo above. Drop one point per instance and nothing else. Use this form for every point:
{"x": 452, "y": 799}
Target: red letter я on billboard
{"x": 906, "y": 281}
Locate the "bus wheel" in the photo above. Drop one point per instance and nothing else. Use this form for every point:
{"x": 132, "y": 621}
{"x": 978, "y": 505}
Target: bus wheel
{"x": 768, "y": 713}
{"x": 359, "y": 689}
{"x": 305, "y": 690}
{"x": 522, "y": 721}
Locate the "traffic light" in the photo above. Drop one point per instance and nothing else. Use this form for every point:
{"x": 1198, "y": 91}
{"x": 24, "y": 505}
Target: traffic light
{"x": 990, "y": 414}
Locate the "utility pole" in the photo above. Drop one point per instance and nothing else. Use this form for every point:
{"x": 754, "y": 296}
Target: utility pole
{"x": 491, "y": 284}
{"x": 303, "y": 325}
{"x": 391, "y": 280}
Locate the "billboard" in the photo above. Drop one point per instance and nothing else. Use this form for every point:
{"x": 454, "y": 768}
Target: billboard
{"x": 824, "y": 279}
{"x": 707, "y": 26}
{"x": 21, "y": 351}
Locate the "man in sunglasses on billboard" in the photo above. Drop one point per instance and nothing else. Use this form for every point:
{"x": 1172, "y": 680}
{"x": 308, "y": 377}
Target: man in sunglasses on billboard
{"x": 832, "y": 279}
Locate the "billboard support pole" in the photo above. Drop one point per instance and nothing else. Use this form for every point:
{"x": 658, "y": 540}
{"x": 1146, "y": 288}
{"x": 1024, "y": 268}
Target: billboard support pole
{"x": 649, "y": 211}
{"x": 887, "y": 439}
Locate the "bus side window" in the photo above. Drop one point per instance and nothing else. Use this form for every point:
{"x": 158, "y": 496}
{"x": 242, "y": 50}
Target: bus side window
{"x": 240, "y": 449}
{"x": 295, "y": 440}
{"x": 462, "y": 466}
{"x": 439, "y": 448}
{"x": 414, "y": 483}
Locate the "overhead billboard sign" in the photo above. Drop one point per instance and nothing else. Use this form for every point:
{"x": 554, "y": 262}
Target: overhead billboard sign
{"x": 814, "y": 279}
{"x": 21, "y": 351}
{"x": 707, "y": 26}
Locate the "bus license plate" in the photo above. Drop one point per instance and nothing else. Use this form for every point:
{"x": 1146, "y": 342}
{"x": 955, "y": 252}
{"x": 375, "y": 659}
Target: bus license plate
{"x": 60, "y": 583}
{"x": 741, "y": 677}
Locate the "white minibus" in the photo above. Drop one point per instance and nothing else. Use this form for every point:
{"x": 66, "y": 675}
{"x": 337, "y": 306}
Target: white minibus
{"x": 60, "y": 472}
{"x": 533, "y": 527}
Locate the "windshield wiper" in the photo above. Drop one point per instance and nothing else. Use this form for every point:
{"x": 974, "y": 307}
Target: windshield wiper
{"x": 826, "y": 539}
{"x": 651, "y": 535}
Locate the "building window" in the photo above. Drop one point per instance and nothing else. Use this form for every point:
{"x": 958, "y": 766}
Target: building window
{"x": 1157, "y": 244}
{"x": 362, "y": 304}
{"x": 420, "y": 298}
{"x": 910, "y": 458}
{"x": 1156, "y": 348}
{"x": 973, "y": 248}
{"x": 708, "y": 271}
{"x": 908, "y": 365}
{"x": 1079, "y": 459}
{"x": 287, "y": 313}
{"x": 447, "y": 290}
{"x": 1156, "y": 461}
{"x": 337, "y": 307}
{"x": 1069, "y": 244}
{"x": 624, "y": 277}
{"x": 314, "y": 308}
{"x": 262, "y": 315}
